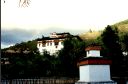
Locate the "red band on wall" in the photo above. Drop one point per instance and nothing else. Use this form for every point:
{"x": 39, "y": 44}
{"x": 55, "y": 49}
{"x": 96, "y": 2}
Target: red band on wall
{"x": 95, "y": 62}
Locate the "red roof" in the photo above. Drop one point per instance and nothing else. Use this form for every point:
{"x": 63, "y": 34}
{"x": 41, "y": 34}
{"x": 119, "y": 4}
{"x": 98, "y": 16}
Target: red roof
{"x": 93, "y": 48}
{"x": 95, "y": 62}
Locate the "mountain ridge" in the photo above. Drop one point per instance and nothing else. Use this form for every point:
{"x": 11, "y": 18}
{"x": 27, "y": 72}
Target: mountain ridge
{"x": 90, "y": 35}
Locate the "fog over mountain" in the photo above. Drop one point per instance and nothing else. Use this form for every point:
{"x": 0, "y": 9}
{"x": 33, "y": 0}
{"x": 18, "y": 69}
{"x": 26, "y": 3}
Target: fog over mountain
{"x": 11, "y": 37}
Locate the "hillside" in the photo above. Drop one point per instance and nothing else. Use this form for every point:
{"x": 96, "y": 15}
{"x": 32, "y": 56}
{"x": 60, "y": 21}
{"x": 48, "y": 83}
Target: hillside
{"x": 122, "y": 27}
{"x": 90, "y": 35}
{"x": 23, "y": 46}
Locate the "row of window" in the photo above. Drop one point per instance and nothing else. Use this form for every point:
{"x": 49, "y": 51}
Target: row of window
{"x": 49, "y": 44}
{"x": 51, "y": 52}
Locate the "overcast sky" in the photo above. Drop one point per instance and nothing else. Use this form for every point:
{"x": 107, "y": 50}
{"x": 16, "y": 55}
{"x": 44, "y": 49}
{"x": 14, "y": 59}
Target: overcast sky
{"x": 46, "y": 16}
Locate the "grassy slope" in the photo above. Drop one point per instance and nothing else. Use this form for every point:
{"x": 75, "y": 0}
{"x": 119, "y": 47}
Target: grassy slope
{"x": 90, "y": 35}
{"x": 122, "y": 27}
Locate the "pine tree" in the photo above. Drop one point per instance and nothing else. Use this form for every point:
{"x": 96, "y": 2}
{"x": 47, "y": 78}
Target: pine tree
{"x": 112, "y": 46}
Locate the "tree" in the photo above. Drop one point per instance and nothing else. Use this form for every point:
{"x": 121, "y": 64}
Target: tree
{"x": 124, "y": 40}
{"x": 112, "y": 47}
{"x": 73, "y": 50}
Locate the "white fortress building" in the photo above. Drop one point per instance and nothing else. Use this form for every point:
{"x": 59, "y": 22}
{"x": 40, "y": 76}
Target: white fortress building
{"x": 53, "y": 43}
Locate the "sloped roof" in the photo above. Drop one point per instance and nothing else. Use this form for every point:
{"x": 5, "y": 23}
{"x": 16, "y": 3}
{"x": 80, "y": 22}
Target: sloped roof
{"x": 63, "y": 33}
{"x": 48, "y": 38}
{"x": 93, "y": 48}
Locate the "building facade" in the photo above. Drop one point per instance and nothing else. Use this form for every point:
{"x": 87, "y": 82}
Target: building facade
{"x": 53, "y": 43}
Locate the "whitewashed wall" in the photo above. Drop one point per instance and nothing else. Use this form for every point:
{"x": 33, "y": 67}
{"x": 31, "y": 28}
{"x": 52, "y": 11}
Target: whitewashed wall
{"x": 52, "y": 49}
{"x": 90, "y": 73}
{"x": 93, "y": 53}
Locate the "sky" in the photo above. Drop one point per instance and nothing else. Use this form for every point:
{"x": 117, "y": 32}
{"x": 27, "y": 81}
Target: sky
{"x": 43, "y": 17}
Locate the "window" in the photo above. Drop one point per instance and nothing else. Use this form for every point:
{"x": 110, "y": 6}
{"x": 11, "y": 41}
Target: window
{"x": 56, "y": 46}
{"x": 56, "y": 43}
{"x": 39, "y": 44}
{"x": 47, "y": 44}
{"x": 43, "y": 43}
{"x": 50, "y": 43}
{"x": 61, "y": 43}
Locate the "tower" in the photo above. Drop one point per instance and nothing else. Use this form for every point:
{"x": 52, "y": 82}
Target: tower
{"x": 94, "y": 68}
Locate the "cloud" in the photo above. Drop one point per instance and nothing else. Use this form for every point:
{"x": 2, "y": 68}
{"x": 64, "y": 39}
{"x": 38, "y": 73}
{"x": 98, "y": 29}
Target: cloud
{"x": 15, "y": 36}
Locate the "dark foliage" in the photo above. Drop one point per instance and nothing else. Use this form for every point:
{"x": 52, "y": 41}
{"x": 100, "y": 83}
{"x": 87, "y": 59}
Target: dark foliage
{"x": 32, "y": 64}
{"x": 73, "y": 50}
{"x": 112, "y": 48}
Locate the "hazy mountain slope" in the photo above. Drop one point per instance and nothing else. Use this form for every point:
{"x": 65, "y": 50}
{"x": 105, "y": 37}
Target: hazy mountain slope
{"x": 23, "y": 46}
{"x": 31, "y": 45}
{"x": 122, "y": 27}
